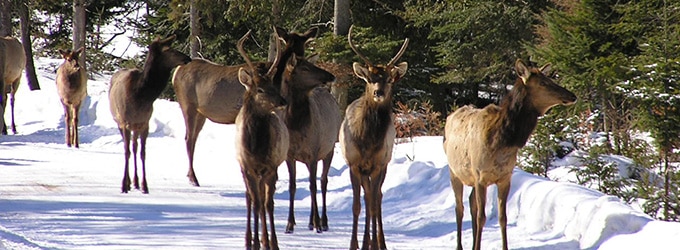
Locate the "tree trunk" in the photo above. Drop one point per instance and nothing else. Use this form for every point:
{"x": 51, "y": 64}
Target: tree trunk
{"x": 194, "y": 30}
{"x": 343, "y": 21}
{"x": 5, "y": 17}
{"x": 276, "y": 20}
{"x": 79, "y": 28}
{"x": 26, "y": 42}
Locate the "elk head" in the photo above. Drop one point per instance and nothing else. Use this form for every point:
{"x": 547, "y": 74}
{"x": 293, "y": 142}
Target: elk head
{"x": 71, "y": 58}
{"x": 379, "y": 78}
{"x": 259, "y": 86}
{"x": 543, "y": 92}
{"x": 167, "y": 57}
{"x": 295, "y": 42}
{"x": 302, "y": 74}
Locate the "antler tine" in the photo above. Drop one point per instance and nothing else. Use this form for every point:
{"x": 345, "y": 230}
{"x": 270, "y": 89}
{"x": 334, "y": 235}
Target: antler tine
{"x": 349, "y": 39}
{"x": 272, "y": 69}
{"x": 239, "y": 45}
{"x": 399, "y": 54}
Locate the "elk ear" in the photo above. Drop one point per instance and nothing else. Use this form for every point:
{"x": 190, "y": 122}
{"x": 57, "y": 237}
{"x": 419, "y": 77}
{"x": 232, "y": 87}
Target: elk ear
{"x": 168, "y": 39}
{"x": 63, "y": 53}
{"x": 245, "y": 78}
{"x": 311, "y": 33}
{"x": 281, "y": 33}
{"x": 77, "y": 52}
{"x": 399, "y": 71}
{"x": 546, "y": 69}
{"x": 313, "y": 58}
{"x": 522, "y": 71}
{"x": 361, "y": 71}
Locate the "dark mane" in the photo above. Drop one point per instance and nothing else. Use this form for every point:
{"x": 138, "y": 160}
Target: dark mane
{"x": 517, "y": 119}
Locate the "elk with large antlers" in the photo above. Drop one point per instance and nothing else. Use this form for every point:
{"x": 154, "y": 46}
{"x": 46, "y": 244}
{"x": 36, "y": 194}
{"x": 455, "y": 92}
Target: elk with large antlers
{"x": 313, "y": 120}
{"x": 131, "y": 96}
{"x": 12, "y": 63}
{"x": 72, "y": 89}
{"x": 261, "y": 146}
{"x": 481, "y": 144}
{"x": 366, "y": 138}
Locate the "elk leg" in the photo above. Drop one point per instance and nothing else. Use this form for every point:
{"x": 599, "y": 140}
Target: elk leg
{"x": 3, "y": 101}
{"x": 356, "y": 207}
{"x": 324, "y": 188}
{"x": 11, "y": 101}
{"x": 270, "y": 188}
{"x": 368, "y": 203}
{"x": 67, "y": 125}
{"x": 249, "y": 205}
{"x": 135, "y": 147}
{"x": 290, "y": 227}
{"x": 378, "y": 208}
{"x": 194, "y": 124}
{"x": 261, "y": 191}
{"x": 473, "y": 211}
{"x": 255, "y": 202}
{"x": 126, "y": 147}
{"x": 314, "y": 221}
{"x": 457, "y": 187}
{"x": 503, "y": 191}
{"x": 480, "y": 195}
{"x": 142, "y": 155}
{"x": 74, "y": 125}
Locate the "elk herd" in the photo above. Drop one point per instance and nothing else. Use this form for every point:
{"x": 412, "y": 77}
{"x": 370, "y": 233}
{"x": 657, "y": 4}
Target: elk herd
{"x": 283, "y": 111}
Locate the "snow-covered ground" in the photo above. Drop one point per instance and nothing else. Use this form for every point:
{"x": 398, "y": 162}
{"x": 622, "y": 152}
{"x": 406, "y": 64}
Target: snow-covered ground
{"x": 54, "y": 197}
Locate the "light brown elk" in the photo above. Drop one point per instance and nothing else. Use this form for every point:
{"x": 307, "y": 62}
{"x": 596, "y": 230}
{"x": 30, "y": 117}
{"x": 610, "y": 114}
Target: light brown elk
{"x": 481, "y": 144}
{"x": 366, "y": 138}
{"x": 72, "y": 88}
{"x": 208, "y": 90}
{"x": 261, "y": 146}
{"x": 131, "y": 96}
{"x": 313, "y": 120}
{"x": 12, "y": 63}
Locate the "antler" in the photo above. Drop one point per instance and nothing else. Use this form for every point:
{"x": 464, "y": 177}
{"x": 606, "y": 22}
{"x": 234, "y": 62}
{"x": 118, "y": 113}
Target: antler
{"x": 349, "y": 39}
{"x": 239, "y": 45}
{"x": 399, "y": 54}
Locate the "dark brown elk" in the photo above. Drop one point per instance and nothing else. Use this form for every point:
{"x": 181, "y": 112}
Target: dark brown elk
{"x": 208, "y": 90}
{"x": 72, "y": 88}
{"x": 12, "y": 63}
{"x": 366, "y": 138}
{"x": 131, "y": 96}
{"x": 261, "y": 146}
{"x": 481, "y": 144}
{"x": 313, "y": 120}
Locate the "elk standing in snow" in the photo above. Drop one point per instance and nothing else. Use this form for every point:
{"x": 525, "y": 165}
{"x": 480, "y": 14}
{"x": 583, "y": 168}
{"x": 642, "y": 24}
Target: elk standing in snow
{"x": 366, "y": 138}
{"x": 481, "y": 144}
{"x": 72, "y": 89}
{"x": 313, "y": 120}
{"x": 131, "y": 96}
{"x": 261, "y": 146}
{"x": 12, "y": 63}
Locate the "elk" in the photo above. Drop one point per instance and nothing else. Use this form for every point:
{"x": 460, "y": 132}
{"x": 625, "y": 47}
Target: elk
{"x": 261, "y": 146}
{"x": 313, "y": 120}
{"x": 366, "y": 137}
{"x": 481, "y": 144}
{"x": 207, "y": 90}
{"x": 72, "y": 88}
{"x": 131, "y": 96}
{"x": 12, "y": 63}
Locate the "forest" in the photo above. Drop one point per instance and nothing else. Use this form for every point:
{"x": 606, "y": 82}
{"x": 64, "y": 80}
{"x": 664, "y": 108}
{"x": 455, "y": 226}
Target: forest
{"x": 621, "y": 58}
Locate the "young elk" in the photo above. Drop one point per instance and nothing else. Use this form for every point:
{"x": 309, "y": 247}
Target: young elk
{"x": 131, "y": 96}
{"x": 313, "y": 120}
{"x": 261, "y": 146}
{"x": 12, "y": 63}
{"x": 366, "y": 138}
{"x": 72, "y": 89}
{"x": 481, "y": 144}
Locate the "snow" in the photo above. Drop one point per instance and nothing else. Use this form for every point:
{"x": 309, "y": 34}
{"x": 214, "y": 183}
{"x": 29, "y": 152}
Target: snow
{"x": 55, "y": 197}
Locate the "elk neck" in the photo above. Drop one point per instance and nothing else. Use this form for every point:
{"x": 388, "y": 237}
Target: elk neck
{"x": 154, "y": 79}
{"x": 374, "y": 120}
{"x": 256, "y": 127}
{"x": 298, "y": 111}
{"x": 517, "y": 119}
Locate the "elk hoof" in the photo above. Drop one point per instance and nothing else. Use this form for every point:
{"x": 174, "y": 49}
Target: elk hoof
{"x": 324, "y": 228}
{"x": 194, "y": 182}
{"x": 290, "y": 228}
